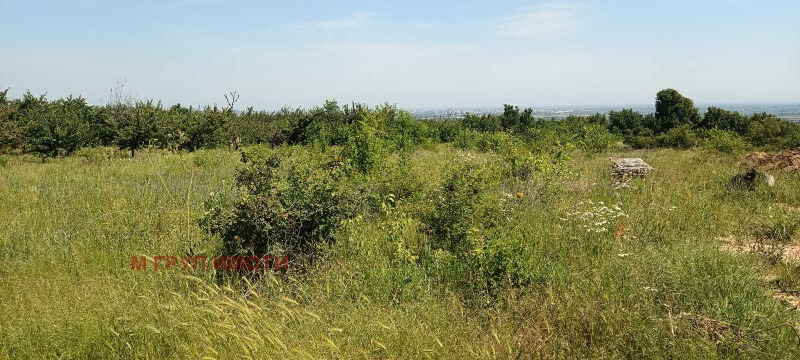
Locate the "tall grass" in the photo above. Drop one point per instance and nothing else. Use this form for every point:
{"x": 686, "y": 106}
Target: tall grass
{"x": 653, "y": 284}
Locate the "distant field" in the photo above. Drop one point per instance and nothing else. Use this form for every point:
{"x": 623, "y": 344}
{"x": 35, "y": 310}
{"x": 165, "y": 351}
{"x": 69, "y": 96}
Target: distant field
{"x": 657, "y": 279}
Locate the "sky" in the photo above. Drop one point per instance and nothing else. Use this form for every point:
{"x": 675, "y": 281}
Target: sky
{"x": 416, "y": 54}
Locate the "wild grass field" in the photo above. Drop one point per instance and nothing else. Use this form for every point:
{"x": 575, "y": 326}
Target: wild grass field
{"x": 566, "y": 265}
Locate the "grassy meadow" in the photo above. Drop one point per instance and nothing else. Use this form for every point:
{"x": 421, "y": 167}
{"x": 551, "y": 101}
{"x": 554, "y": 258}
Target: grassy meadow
{"x": 639, "y": 271}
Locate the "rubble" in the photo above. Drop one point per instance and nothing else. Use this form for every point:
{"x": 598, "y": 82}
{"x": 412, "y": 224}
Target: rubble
{"x": 627, "y": 168}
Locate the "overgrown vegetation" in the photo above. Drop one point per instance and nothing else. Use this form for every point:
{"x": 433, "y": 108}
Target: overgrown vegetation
{"x": 496, "y": 237}
{"x": 58, "y": 128}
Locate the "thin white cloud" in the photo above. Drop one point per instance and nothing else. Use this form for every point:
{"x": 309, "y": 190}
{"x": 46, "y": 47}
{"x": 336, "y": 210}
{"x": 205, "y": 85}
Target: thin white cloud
{"x": 356, "y": 19}
{"x": 541, "y": 21}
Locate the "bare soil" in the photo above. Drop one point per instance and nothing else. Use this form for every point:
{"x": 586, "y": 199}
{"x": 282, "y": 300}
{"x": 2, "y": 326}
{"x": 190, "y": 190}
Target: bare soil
{"x": 785, "y": 160}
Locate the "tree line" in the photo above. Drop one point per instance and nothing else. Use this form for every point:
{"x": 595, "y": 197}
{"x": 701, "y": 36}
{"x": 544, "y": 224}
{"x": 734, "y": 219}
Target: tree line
{"x": 57, "y": 128}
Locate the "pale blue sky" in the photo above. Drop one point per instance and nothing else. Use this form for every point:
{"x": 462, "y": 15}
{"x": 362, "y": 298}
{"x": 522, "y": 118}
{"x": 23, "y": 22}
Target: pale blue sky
{"x": 412, "y": 53}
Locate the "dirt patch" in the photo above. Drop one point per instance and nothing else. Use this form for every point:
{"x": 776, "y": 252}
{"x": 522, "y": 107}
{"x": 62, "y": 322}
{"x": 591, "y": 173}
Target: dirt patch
{"x": 791, "y": 299}
{"x": 790, "y": 253}
{"x": 787, "y": 208}
{"x": 715, "y": 330}
{"x": 785, "y": 160}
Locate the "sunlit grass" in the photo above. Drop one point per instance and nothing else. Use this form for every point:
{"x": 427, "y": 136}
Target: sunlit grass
{"x": 69, "y": 227}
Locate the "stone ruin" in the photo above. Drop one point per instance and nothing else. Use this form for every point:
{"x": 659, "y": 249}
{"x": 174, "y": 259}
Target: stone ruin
{"x": 627, "y": 168}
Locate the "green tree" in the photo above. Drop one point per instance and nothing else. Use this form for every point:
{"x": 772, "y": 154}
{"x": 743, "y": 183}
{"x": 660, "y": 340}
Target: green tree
{"x": 626, "y": 122}
{"x": 136, "y": 126}
{"x": 59, "y": 128}
{"x": 204, "y": 129}
{"x": 673, "y": 110}
{"x": 771, "y": 131}
{"x": 716, "y": 118}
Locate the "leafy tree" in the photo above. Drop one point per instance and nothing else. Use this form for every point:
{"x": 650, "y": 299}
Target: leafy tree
{"x": 10, "y": 135}
{"x": 626, "y": 122}
{"x": 680, "y": 137}
{"x": 59, "y": 128}
{"x": 595, "y": 138}
{"x": 770, "y": 130}
{"x": 204, "y": 129}
{"x": 716, "y": 118}
{"x": 136, "y": 126}
{"x": 673, "y": 110}
{"x": 482, "y": 123}
{"x": 515, "y": 120}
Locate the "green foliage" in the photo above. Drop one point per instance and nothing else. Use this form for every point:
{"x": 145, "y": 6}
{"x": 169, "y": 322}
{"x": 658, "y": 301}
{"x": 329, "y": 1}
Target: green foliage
{"x": 770, "y": 131}
{"x": 482, "y": 123}
{"x": 133, "y": 125}
{"x": 726, "y": 142}
{"x": 628, "y": 123}
{"x": 204, "y": 129}
{"x": 364, "y": 148}
{"x": 444, "y": 130}
{"x": 595, "y": 138}
{"x": 60, "y": 127}
{"x": 716, "y": 118}
{"x": 682, "y": 137}
{"x": 457, "y": 208}
{"x": 485, "y": 142}
{"x": 674, "y": 110}
{"x": 137, "y": 126}
{"x": 277, "y": 210}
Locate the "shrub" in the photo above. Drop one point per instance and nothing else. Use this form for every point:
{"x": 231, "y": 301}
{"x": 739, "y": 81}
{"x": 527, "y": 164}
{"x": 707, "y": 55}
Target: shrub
{"x": 270, "y": 214}
{"x": 771, "y": 131}
{"x": 642, "y": 142}
{"x": 724, "y": 141}
{"x": 445, "y": 130}
{"x": 59, "y": 128}
{"x": 203, "y": 129}
{"x": 680, "y": 137}
{"x": 457, "y": 207}
{"x": 467, "y": 139}
{"x": 596, "y": 138}
{"x": 626, "y": 122}
{"x": 364, "y": 148}
{"x": 136, "y": 126}
{"x": 724, "y": 120}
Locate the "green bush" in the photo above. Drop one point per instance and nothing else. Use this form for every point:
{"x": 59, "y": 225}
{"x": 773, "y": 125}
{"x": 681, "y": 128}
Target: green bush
{"x": 467, "y": 139}
{"x": 458, "y": 207}
{"x": 595, "y": 138}
{"x": 59, "y": 128}
{"x": 773, "y": 132}
{"x": 363, "y": 146}
{"x": 724, "y": 141}
{"x": 281, "y": 209}
{"x": 680, "y": 137}
{"x": 137, "y": 126}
